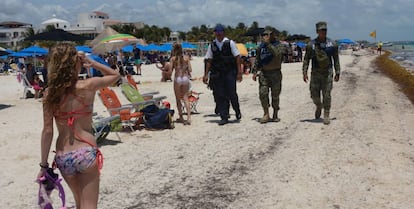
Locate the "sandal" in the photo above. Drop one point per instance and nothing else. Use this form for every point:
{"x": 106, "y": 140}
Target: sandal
{"x": 178, "y": 120}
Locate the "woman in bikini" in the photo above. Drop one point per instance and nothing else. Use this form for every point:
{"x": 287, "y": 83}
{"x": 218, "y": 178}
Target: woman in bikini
{"x": 182, "y": 68}
{"x": 69, "y": 102}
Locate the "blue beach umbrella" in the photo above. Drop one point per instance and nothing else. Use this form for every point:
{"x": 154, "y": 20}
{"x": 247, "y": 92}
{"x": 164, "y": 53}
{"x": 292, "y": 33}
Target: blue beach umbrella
{"x": 346, "y": 41}
{"x": 34, "y": 50}
{"x": 85, "y": 49}
{"x": 187, "y": 45}
{"x": 19, "y": 54}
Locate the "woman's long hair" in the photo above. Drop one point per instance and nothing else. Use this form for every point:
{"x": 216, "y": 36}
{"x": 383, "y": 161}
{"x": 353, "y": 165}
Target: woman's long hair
{"x": 62, "y": 73}
{"x": 177, "y": 52}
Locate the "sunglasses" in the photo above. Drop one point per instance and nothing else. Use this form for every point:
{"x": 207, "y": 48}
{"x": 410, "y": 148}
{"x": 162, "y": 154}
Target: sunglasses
{"x": 267, "y": 34}
{"x": 323, "y": 30}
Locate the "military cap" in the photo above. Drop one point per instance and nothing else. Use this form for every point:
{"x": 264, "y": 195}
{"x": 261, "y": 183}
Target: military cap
{"x": 321, "y": 25}
{"x": 270, "y": 31}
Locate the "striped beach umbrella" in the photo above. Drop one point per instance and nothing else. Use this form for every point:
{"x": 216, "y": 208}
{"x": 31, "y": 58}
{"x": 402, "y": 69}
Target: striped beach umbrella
{"x": 115, "y": 42}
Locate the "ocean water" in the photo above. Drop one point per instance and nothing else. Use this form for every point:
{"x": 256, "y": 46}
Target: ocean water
{"x": 403, "y": 53}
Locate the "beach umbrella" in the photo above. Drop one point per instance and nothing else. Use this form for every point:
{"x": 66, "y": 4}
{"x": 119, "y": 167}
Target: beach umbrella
{"x": 86, "y": 49}
{"x": 34, "y": 50}
{"x": 3, "y": 51}
{"x": 300, "y": 44}
{"x": 56, "y": 35}
{"x": 115, "y": 42}
{"x": 129, "y": 48}
{"x": 346, "y": 41}
{"x": 242, "y": 49}
{"x": 20, "y": 54}
{"x": 187, "y": 45}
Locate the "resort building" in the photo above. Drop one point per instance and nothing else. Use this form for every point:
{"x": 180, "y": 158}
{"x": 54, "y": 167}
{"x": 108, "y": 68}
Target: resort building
{"x": 12, "y": 32}
{"x": 57, "y": 23}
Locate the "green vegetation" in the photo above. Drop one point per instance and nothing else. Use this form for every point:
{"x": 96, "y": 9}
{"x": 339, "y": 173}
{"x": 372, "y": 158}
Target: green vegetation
{"x": 154, "y": 34}
{"x": 398, "y": 74}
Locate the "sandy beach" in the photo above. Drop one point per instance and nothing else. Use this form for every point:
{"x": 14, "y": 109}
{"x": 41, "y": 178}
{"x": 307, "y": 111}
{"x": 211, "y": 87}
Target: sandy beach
{"x": 363, "y": 159}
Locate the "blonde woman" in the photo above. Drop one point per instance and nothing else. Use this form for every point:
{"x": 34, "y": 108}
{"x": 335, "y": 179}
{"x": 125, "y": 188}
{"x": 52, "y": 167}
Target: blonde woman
{"x": 182, "y": 68}
{"x": 69, "y": 102}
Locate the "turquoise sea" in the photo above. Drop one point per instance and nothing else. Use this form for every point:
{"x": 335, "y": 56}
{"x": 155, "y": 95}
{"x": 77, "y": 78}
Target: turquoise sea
{"x": 403, "y": 53}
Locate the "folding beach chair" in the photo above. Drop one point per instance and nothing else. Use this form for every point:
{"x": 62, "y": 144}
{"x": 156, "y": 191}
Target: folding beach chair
{"x": 129, "y": 114}
{"x": 27, "y": 86}
{"x": 133, "y": 95}
{"x": 193, "y": 98}
{"x": 101, "y": 127}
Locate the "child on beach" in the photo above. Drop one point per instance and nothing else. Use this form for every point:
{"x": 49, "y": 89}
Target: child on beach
{"x": 38, "y": 85}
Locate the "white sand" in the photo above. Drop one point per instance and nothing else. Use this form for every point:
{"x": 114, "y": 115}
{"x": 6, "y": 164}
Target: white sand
{"x": 363, "y": 159}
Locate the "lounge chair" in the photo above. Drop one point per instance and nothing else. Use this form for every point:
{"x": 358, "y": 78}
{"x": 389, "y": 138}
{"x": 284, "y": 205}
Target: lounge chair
{"x": 27, "y": 86}
{"x": 129, "y": 114}
{"x": 133, "y": 95}
{"x": 101, "y": 127}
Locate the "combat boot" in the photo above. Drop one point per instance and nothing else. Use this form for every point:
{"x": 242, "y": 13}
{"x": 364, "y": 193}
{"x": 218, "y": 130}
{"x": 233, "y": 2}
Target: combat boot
{"x": 318, "y": 111}
{"x": 265, "y": 117}
{"x": 275, "y": 118}
{"x": 326, "y": 119}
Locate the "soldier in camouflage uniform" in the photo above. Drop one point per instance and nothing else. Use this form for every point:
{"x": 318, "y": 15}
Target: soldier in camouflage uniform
{"x": 324, "y": 55}
{"x": 268, "y": 68}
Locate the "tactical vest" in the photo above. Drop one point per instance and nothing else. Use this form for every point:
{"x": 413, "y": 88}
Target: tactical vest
{"x": 276, "y": 62}
{"x": 223, "y": 60}
{"x": 322, "y": 54}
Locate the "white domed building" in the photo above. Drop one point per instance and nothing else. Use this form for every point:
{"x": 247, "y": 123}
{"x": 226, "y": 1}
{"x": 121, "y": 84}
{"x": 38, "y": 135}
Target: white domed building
{"x": 57, "y": 23}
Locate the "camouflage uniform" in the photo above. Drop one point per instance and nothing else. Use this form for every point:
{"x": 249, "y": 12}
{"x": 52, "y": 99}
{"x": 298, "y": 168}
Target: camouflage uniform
{"x": 324, "y": 56}
{"x": 270, "y": 76}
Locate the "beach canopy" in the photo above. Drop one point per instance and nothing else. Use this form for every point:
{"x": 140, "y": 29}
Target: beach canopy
{"x": 346, "y": 41}
{"x": 3, "y": 51}
{"x": 86, "y": 49}
{"x": 187, "y": 45}
{"x": 300, "y": 44}
{"x": 36, "y": 50}
{"x": 19, "y": 54}
{"x": 56, "y": 35}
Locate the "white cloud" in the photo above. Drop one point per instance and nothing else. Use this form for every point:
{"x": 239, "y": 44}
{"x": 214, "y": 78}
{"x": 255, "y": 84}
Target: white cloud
{"x": 346, "y": 18}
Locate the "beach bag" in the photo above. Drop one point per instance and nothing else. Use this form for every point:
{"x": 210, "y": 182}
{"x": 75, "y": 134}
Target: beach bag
{"x": 158, "y": 118}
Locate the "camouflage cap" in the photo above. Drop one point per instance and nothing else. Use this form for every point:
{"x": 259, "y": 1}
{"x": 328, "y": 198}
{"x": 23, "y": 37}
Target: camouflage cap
{"x": 321, "y": 25}
{"x": 269, "y": 31}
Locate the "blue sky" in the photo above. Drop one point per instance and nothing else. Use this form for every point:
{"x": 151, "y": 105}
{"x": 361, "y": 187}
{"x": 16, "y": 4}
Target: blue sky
{"x": 355, "y": 19}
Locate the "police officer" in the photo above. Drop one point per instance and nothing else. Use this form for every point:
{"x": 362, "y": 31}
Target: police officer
{"x": 223, "y": 65}
{"x": 324, "y": 55}
{"x": 268, "y": 68}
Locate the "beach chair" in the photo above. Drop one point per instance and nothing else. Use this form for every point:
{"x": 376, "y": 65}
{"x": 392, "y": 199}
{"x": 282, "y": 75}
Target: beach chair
{"x": 101, "y": 127}
{"x": 27, "y": 86}
{"x": 193, "y": 98}
{"x": 129, "y": 115}
{"x": 133, "y": 95}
